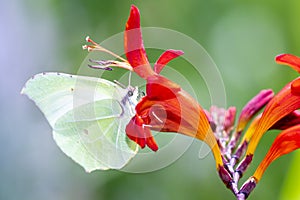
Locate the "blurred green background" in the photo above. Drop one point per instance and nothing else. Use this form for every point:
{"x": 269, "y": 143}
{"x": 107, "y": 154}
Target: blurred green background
{"x": 242, "y": 37}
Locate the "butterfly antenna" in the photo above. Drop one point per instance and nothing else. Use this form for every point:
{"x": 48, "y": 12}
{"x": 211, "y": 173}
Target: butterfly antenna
{"x": 129, "y": 76}
{"x": 120, "y": 84}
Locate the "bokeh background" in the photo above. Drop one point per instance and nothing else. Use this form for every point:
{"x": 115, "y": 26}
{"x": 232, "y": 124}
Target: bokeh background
{"x": 242, "y": 37}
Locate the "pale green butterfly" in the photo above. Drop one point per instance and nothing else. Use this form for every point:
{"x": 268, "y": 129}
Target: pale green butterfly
{"x": 88, "y": 116}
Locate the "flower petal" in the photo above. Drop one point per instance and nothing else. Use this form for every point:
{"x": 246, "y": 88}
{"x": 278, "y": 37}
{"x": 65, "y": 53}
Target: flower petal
{"x": 251, "y": 129}
{"x": 290, "y": 60}
{"x": 161, "y": 88}
{"x": 285, "y": 102}
{"x": 140, "y": 134}
{"x": 134, "y": 47}
{"x": 166, "y": 57}
{"x": 295, "y": 87}
{"x": 288, "y": 121}
{"x": 167, "y": 108}
{"x": 286, "y": 142}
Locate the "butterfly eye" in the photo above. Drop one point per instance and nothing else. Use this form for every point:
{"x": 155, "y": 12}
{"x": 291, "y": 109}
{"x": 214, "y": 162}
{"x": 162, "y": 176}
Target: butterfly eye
{"x": 141, "y": 94}
{"x": 130, "y": 93}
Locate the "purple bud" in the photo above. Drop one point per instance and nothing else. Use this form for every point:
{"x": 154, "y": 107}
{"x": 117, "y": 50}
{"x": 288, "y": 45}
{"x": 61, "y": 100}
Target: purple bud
{"x": 247, "y": 187}
{"x": 225, "y": 176}
{"x": 241, "y": 150}
{"x": 242, "y": 167}
{"x": 253, "y": 106}
{"x": 223, "y": 119}
{"x": 229, "y": 118}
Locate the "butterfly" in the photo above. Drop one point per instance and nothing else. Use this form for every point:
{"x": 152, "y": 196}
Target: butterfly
{"x": 88, "y": 116}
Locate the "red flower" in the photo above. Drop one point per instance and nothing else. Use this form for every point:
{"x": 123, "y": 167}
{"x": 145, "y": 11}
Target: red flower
{"x": 283, "y": 114}
{"x": 166, "y": 107}
{"x": 280, "y": 112}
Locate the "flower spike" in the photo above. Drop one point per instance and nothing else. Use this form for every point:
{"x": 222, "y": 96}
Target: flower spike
{"x": 282, "y": 104}
{"x": 285, "y": 102}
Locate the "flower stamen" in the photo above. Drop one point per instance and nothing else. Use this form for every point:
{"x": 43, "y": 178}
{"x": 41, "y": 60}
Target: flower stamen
{"x": 157, "y": 117}
{"x": 96, "y": 47}
{"x": 146, "y": 125}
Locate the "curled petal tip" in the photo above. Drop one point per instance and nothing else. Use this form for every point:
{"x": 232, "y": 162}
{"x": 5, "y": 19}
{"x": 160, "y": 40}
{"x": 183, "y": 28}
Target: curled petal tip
{"x": 295, "y": 87}
{"x": 290, "y": 60}
{"x": 151, "y": 144}
{"x": 140, "y": 134}
{"x": 134, "y": 46}
{"x": 166, "y": 57}
{"x": 134, "y": 18}
{"x": 133, "y": 7}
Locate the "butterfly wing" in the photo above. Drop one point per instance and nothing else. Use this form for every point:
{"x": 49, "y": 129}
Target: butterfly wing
{"x": 87, "y": 118}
